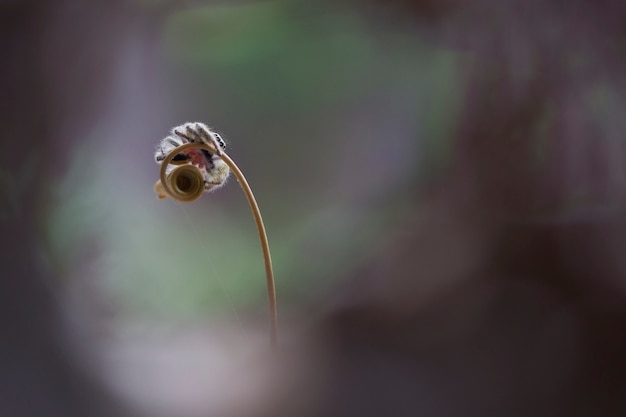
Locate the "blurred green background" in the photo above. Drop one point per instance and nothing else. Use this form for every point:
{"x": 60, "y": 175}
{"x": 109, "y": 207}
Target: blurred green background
{"x": 335, "y": 118}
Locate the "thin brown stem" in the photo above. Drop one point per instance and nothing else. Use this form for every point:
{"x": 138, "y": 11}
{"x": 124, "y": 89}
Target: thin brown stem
{"x": 256, "y": 212}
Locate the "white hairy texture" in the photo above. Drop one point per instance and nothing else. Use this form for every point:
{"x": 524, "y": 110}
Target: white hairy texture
{"x": 215, "y": 170}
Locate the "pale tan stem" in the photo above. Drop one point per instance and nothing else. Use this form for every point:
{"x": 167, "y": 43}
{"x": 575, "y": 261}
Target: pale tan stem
{"x": 269, "y": 273}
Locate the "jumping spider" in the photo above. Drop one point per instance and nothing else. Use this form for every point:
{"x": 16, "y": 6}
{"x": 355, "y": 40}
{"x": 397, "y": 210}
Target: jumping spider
{"x": 214, "y": 169}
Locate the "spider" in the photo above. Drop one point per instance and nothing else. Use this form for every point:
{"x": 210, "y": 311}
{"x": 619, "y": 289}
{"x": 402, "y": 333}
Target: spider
{"x": 215, "y": 170}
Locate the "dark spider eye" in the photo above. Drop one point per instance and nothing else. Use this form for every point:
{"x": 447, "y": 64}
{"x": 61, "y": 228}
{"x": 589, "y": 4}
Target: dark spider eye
{"x": 220, "y": 140}
{"x": 207, "y": 154}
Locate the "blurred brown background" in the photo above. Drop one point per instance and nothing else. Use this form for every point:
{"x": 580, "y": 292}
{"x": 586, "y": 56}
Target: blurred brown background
{"x": 442, "y": 184}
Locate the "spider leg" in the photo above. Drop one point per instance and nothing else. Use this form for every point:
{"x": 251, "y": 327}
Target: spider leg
{"x": 203, "y": 133}
{"x": 192, "y": 133}
{"x": 166, "y": 146}
{"x": 209, "y": 139}
{"x": 184, "y": 136}
{"x": 159, "y": 157}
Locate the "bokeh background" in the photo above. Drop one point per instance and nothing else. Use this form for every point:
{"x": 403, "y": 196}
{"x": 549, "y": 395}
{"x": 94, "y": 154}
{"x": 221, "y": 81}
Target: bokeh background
{"x": 427, "y": 171}
{"x": 321, "y": 108}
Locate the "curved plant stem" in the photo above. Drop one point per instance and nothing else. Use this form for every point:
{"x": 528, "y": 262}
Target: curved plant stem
{"x": 269, "y": 273}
